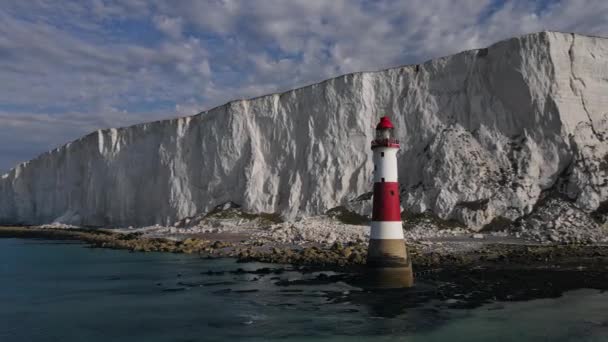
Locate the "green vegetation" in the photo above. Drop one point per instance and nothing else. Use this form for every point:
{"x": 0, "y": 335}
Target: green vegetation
{"x": 235, "y": 213}
{"x": 346, "y": 216}
{"x": 499, "y": 223}
{"x": 411, "y": 219}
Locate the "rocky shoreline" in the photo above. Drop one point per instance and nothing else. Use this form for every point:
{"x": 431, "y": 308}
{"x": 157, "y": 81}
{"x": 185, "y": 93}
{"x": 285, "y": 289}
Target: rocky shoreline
{"x": 353, "y": 254}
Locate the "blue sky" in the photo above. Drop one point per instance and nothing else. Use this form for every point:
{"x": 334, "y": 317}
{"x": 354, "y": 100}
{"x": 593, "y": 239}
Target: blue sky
{"x": 68, "y": 68}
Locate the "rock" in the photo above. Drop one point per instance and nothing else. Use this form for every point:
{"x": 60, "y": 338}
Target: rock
{"x": 571, "y": 224}
{"x": 357, "y": 258}
{"x": 346, "y": 252}
{"x": 477, "y": 236}
{"x": 337, "y": 246}
{"x": 483, "y": 134}
{"x": 219, "y": 244}
{"x": 318, "y": 230}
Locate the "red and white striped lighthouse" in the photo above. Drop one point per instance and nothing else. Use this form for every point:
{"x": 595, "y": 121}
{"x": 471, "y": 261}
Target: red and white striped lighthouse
{"x": 387, "y": 252}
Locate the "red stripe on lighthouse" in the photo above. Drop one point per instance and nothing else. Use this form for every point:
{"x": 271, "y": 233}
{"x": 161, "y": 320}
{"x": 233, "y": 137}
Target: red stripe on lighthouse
{"x": 386, "y": 202}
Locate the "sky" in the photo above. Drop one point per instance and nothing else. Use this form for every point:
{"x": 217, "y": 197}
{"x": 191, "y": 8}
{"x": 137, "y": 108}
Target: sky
{"x": 68, "y": 68}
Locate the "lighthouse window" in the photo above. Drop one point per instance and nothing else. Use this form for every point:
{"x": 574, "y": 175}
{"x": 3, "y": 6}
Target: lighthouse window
{"x": 392, "y": 193}
{"x": 381, "y": 154}
{"x": 375, "y": 167}
{"x": 382, "y": 179}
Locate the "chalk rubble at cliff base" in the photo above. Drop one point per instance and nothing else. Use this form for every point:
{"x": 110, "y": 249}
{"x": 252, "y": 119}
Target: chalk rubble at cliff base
{"x": 554, "y": 222}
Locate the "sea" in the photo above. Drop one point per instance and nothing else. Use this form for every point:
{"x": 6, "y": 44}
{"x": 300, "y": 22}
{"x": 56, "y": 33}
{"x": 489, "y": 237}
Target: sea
{"x": 67, "y": 291}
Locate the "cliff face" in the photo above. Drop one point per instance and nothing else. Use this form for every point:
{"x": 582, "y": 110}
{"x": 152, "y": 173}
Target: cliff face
{"x": 484, "y": 133}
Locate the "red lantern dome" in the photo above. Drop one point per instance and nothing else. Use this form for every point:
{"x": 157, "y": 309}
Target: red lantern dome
{"x": 385, "y": 123}
{"x": 384, "y": 134}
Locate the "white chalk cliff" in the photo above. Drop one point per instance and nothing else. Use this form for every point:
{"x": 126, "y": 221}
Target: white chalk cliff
{"x": 484, "y": 134}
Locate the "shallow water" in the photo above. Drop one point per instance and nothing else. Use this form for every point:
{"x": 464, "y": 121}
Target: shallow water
{"x": 62, "y": 291}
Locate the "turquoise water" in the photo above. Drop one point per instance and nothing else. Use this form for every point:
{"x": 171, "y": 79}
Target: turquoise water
{"x": 58, "y": 291}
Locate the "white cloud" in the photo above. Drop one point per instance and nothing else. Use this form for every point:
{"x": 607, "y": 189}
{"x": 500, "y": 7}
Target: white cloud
{"x": 170, "y": 26}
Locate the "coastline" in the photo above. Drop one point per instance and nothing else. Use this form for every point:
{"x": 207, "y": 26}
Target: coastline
{"x": 500, "y": 254}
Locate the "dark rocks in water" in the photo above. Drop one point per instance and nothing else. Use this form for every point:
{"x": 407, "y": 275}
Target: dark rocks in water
{"x": 480, "y": 286}
{"x": 219, "y": 283}
{"x": 175, "y": 289}
{"x": 223, "y": 291}
{"x": 337, "y": 254}
{"x": 188, "y": 284}
{"x": 246, "y": 291}
{"x": 320, "y": 279}
{"x": 350, "y": 310}
{"x": 259, "y": 271}
{"x": 342, "y": 257}
{"x": 467, "y": 288}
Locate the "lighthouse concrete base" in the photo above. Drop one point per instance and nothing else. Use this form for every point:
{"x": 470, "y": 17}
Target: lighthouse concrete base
{"x": 389, "y": 265}
{"x": 389, "y": 277}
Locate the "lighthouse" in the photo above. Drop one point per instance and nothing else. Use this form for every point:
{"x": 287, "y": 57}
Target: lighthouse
{"x": 387, "y": 255}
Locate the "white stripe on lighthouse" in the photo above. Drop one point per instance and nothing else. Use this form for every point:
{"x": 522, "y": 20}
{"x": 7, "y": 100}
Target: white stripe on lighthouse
{"x": 386, "y": 230}
{"x": 385, "y": 164}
